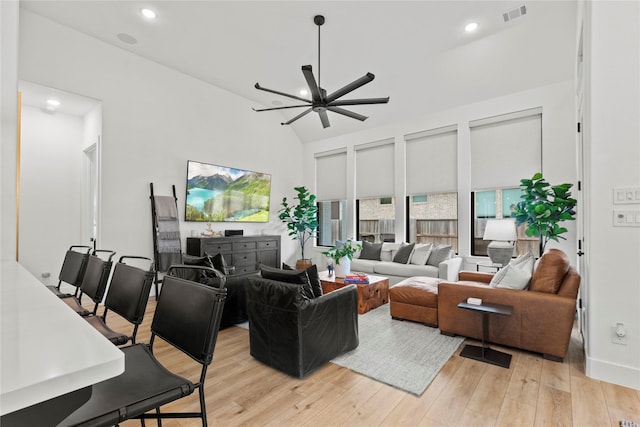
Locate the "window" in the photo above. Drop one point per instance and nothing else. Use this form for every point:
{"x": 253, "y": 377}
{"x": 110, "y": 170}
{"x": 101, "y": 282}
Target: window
{"x": 331, "y": 222}
{"x": 432, "y": 182}
{"x": 375, "y": 208}
{"x": 504, "y": 149}
{"x": 376, "y": 221}
{"x": 331, "y": 193}
{"x": 497, "y": 204}
{"x": 433, "y": 219}
{"x": 419, "y": 199}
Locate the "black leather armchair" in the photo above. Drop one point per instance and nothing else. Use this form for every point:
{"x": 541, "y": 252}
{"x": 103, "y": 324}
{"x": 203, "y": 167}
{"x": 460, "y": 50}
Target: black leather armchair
{"x": 297, "y": 335}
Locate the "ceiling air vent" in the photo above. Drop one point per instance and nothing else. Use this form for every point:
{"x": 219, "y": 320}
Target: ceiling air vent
{"x": 515, "y": 13}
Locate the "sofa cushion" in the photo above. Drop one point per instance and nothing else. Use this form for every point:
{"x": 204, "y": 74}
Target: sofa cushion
{"x": 289, "y": 276}
{"x": 363, "y": 265}
{"x": 404, "y": 253}
{"x": 388, "y": 251}
{"x": 550, "y": 272}
{"x": 370, "y": 251}
{"x": 439, "y": 253}
{"x": 314, "y": 280}
{"x": 405, "y": 270}
{"x": 420, "y": 254}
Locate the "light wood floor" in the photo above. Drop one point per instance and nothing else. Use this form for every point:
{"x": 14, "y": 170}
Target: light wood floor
{"x": 534, "y": 392}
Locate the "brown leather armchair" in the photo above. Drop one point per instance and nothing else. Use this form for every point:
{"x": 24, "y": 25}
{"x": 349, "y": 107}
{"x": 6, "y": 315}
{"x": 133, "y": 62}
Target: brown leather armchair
{"x": 542, "y": 317}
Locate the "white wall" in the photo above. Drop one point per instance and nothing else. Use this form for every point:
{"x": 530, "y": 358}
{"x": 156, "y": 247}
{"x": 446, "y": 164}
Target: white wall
{"x": 558, "y": 129}
{"x": 8, "y": 126}
{"x": 50, "y": 189}
{"x": 612, "y": 143}
{"x": 153, "y": 120}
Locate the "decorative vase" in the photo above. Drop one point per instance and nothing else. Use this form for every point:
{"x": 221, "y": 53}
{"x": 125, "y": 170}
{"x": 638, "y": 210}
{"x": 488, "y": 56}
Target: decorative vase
{"x": 303, "y": 264}
{"x": 343, "y": 267}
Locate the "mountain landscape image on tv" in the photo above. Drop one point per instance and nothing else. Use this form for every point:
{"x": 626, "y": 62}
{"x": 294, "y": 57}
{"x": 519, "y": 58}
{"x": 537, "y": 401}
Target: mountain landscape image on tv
{"x": 223, "y": 194}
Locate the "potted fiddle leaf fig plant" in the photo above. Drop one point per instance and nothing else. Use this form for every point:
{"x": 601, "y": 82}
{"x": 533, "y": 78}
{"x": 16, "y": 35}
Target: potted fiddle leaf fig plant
{"x": 301, "y": 220}
{"x": 543, "y": 207}
{"x": 342, "y": 256}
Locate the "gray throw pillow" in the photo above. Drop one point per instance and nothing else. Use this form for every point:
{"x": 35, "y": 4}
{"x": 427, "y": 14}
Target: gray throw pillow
{"x": 438, "y": 254}
{"x": 404, "y": 253}
{"x": 371, "y": 251}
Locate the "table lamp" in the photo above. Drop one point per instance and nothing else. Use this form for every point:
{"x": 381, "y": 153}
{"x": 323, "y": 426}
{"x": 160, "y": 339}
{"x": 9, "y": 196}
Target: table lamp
{"x": 502, "y": 233}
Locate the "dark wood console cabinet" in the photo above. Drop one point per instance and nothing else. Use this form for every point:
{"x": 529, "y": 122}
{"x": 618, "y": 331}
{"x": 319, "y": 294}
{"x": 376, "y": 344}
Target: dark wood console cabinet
{"x": 245, "y": 253}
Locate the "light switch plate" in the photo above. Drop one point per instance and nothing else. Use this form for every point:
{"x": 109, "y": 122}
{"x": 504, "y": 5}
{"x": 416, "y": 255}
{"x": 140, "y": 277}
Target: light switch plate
{"x": 626, "y": 195}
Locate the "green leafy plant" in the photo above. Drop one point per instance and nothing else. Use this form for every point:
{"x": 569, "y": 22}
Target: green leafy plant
{"x": 301, "y": 219}
{"x": 348, "y": 249}
{"x": 542, "y": 207}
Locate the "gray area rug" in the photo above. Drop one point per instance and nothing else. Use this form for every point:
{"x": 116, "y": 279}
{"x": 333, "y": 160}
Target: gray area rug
{"x": 402, "y": 354}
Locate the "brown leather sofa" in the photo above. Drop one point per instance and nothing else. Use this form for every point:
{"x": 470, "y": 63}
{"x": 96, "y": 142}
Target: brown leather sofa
{"x": 542, "y": 317}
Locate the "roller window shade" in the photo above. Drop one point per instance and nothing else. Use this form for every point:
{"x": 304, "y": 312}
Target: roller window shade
{"x": 432, "y": 162}
{"x": 505, "y": 151}
{"x": 375, "y": 170}
{"x": 331, "y": 176}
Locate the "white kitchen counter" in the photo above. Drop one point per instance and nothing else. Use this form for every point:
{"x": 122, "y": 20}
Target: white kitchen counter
{"x": 46, "y": 349}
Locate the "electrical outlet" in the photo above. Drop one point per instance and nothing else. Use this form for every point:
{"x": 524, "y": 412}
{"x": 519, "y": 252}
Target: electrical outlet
{"x": 619, "y": 334}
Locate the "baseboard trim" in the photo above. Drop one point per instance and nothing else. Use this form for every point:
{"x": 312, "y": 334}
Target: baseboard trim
{"x": 626, "y": 376}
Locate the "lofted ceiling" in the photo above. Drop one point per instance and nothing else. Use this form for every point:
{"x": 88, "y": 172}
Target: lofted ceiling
{"x": 418, "y": 50}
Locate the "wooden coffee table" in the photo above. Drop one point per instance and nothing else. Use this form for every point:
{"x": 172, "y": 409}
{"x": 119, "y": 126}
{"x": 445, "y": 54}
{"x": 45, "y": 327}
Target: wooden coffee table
{"x": 370, "y": 296}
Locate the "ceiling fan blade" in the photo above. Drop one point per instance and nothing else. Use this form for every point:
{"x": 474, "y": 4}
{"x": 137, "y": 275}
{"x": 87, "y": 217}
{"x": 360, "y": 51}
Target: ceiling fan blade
{"x": 324, "y": 118}
{"x": 304, "y": 113}
{"x": 311, "y": 82}
{"x": 348, "y": 113}
{"x": 279, "y": 108}
{"x": 257, "y": 86}
{"x": 363, "y": 101}
{"x": 350, "y": 87}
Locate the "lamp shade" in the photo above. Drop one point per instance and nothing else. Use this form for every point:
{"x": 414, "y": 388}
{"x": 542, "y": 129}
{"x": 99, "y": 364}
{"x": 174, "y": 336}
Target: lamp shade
{"x": 500, "y": 229}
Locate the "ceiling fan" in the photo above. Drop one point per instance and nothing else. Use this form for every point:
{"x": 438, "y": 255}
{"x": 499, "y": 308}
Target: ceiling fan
{"x": 320, "y": 102}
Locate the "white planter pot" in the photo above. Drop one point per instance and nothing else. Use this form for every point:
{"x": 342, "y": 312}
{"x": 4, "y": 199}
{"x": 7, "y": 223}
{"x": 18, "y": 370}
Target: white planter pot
{"x": 343, "y": 268}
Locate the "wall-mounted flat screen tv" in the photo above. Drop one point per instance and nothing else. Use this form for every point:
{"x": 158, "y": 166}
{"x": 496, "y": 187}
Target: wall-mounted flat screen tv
{"x": 223, "y": 194}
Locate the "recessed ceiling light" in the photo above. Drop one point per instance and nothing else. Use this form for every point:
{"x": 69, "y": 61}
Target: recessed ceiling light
{"x": 303, "y": 92}
{"x": 148, "y": 13}
{"x": 471, "y": 26}
{"x": 53, "y": 102}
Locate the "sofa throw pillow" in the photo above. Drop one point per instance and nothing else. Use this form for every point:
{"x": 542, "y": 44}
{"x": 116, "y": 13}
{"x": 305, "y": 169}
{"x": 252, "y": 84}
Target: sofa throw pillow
{"x": 551, "y": 269}
{"x": 524, "y": 261}
{"x": 220, "y": 264}
{"x": 511, "y": 277}
{"x": 289, "y": 276}
{"x": 204, "y": 261}
{"x": 371, "y": 251}
{"x": 438, "y": 254}
{"x": 314, "y": 279}
{"x": 388, "y": 251}
{"x": 404, "y": 253}
{"x": 420, "y": 254}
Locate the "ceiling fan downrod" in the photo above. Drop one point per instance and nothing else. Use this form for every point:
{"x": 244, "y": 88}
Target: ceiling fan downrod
{"x": 318, "y": 20}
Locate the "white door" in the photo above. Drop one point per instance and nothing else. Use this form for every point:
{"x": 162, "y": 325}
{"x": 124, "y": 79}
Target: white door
{"x": 91, "y": 199}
